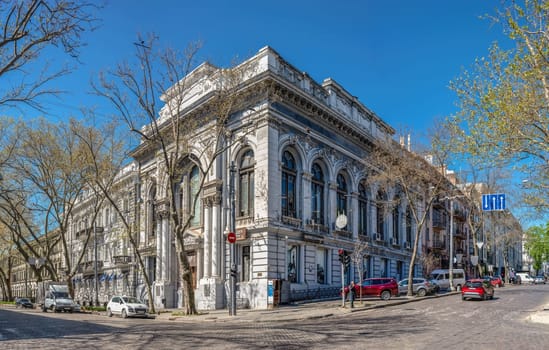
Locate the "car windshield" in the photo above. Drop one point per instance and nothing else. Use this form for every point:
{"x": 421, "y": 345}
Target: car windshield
{"x": 61, "y": 294}
{"x": 474, "y": 284}
{"x": 23, "y": 300}
{"x": 131, "y": 300}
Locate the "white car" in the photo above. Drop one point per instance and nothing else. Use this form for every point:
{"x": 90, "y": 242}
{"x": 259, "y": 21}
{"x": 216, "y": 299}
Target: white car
{"x": 524, "y": 277}
{"x": 126, "y": 307}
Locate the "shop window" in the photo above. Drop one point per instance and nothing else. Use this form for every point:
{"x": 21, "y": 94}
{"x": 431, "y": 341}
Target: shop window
{"x": 294, "y": 264}
{"x": 321, "y": 264}
{"x": 246, "y": 264}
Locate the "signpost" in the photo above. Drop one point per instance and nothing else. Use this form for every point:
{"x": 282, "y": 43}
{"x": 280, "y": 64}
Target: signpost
{"x": 231, "y": 237}
{"x": 491, "y": 202}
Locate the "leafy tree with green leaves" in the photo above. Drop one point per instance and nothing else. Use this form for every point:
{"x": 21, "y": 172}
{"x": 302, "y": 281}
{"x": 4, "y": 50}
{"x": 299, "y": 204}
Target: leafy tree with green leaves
{"x": 504, "y": 100}
{"x": 537, "y": 245}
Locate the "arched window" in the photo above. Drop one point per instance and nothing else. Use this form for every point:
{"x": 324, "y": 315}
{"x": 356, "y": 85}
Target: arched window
{"x": 194, "y": 189}
{"x": 362, "y": 209}
{"x": 342, "y": 195}
{"x": 246, "y": 184}
{"x": 289, "y": 174}
{"x": 380, "y": 215}
{"x": 317, "y": 195}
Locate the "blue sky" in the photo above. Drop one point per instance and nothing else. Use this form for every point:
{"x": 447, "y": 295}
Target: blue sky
{"x": 397, "y": 57}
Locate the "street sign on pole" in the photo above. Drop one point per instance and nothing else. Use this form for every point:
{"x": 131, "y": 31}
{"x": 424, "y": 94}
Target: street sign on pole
{"x": 231, "y": 237}
{"x": 491, "y": 202}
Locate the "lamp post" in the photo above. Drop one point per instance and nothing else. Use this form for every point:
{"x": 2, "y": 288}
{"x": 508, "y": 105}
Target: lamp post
{"x": 451, "y": 267}
{"x": 451, "y": 262}
{"x": 96, "y": 284}
{"x": 96, "y": 229}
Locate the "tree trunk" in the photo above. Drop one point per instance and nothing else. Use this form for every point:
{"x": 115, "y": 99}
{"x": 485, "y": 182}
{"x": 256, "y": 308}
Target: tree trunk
{"x": 188, "y": 290}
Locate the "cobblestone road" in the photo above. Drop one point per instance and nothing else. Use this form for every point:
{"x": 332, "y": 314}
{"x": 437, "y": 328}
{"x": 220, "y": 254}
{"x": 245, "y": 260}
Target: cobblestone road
{"x": 440, "y": 323}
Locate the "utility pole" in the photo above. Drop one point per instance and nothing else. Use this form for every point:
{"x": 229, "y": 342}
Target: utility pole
{"x": 451, "y": 267}
{"x": 96, "y": 301}
{"x": 232, "y": 310}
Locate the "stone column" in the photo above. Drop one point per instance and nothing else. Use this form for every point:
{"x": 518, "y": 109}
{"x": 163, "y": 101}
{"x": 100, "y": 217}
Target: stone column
{"x": 217, "y": 241}
{"x": 353, "y": 216}
{"x": 207, "y": 238}
{"x": 166, "y": 243}
{"x": 331, "y": 205}
{"x": 306, "y": 183}
{"x": 159, "y": 247}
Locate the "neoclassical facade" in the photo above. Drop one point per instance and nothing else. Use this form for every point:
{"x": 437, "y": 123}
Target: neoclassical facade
{"x": 301, "y": 195}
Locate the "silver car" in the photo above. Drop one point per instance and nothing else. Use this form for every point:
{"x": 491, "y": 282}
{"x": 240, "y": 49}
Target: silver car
{"x": 421, "y": 287}
{"x": 126, "y": 307}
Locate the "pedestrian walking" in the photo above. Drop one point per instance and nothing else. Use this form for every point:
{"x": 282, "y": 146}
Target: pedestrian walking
{"x": 352, "y": 294}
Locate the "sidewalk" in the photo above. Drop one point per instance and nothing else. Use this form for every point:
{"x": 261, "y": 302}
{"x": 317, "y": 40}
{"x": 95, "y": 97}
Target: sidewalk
{"x": 292, "y": 312}
{"x": 311, "y": 310}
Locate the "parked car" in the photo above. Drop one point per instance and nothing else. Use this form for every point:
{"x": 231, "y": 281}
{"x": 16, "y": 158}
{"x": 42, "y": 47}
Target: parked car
{"x": 442, "y": 278}
{"x": 524, "y": 277}
{"x": 384, "y": 287}
{"x": 126, "y": 307}
{"x": 477, "y": 289}
{"x": 540, "y": 279}
{"x": 421, "y": 287}
{"x": 436, "y": 286}
{"x": 24, "y": 303}
{"x": 496, "y": 281}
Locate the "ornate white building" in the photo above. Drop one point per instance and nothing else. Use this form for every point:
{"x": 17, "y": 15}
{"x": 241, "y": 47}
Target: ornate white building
{"x": 301, "y": 168}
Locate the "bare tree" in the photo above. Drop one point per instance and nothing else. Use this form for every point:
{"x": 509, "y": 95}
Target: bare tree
{"x": 28, "y": 29}
{"x": 107, "y": 160}
{"x": 43, "y": 181}
{"x": 178, "y": 133}
{"x": 409, "y": 180}
{"x": 357, "y": 257}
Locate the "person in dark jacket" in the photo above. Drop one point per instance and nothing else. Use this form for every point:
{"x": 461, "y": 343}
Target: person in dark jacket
{"x": 352, "y": 294}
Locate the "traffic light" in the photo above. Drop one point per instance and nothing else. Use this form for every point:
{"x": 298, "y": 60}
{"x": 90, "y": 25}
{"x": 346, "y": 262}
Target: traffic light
{"x": 341, "y": 253}
{"x": 344, "y": 258}
{"x": 347, "y": 260}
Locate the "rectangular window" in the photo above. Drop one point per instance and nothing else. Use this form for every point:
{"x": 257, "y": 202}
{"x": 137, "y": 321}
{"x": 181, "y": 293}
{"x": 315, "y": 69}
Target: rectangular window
{"x": 245, "y": 273}
{"x": 293, "y": 263}
{"x": 321, "y": 263}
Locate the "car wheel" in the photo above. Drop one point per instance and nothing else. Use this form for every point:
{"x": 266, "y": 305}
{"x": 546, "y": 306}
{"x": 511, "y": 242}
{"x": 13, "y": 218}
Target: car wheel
{"x": 463, "y": 298}
{"x": 421, "y": 292}
{"x": 124, "y": 313}
{"x": 109, "y": 312}
{"x": 385, "y": 295}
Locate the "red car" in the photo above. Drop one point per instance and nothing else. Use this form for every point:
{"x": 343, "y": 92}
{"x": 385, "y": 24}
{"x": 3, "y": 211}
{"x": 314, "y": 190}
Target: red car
{"x": 495, "y": 281}
{"x": 384, "y": 287}
{"x": 477, "y": 289}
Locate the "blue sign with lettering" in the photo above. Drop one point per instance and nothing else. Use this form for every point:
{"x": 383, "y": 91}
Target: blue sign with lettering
{"x": 492, "y": 202}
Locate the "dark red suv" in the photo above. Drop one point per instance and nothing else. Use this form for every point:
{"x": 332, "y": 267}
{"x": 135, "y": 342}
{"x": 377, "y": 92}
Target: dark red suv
{"x": 384, "y": 287}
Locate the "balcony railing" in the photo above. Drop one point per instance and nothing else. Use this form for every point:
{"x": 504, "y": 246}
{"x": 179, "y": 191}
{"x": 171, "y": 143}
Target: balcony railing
{"x": 288, "y": 220}
{"x": 438, "y": 244}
